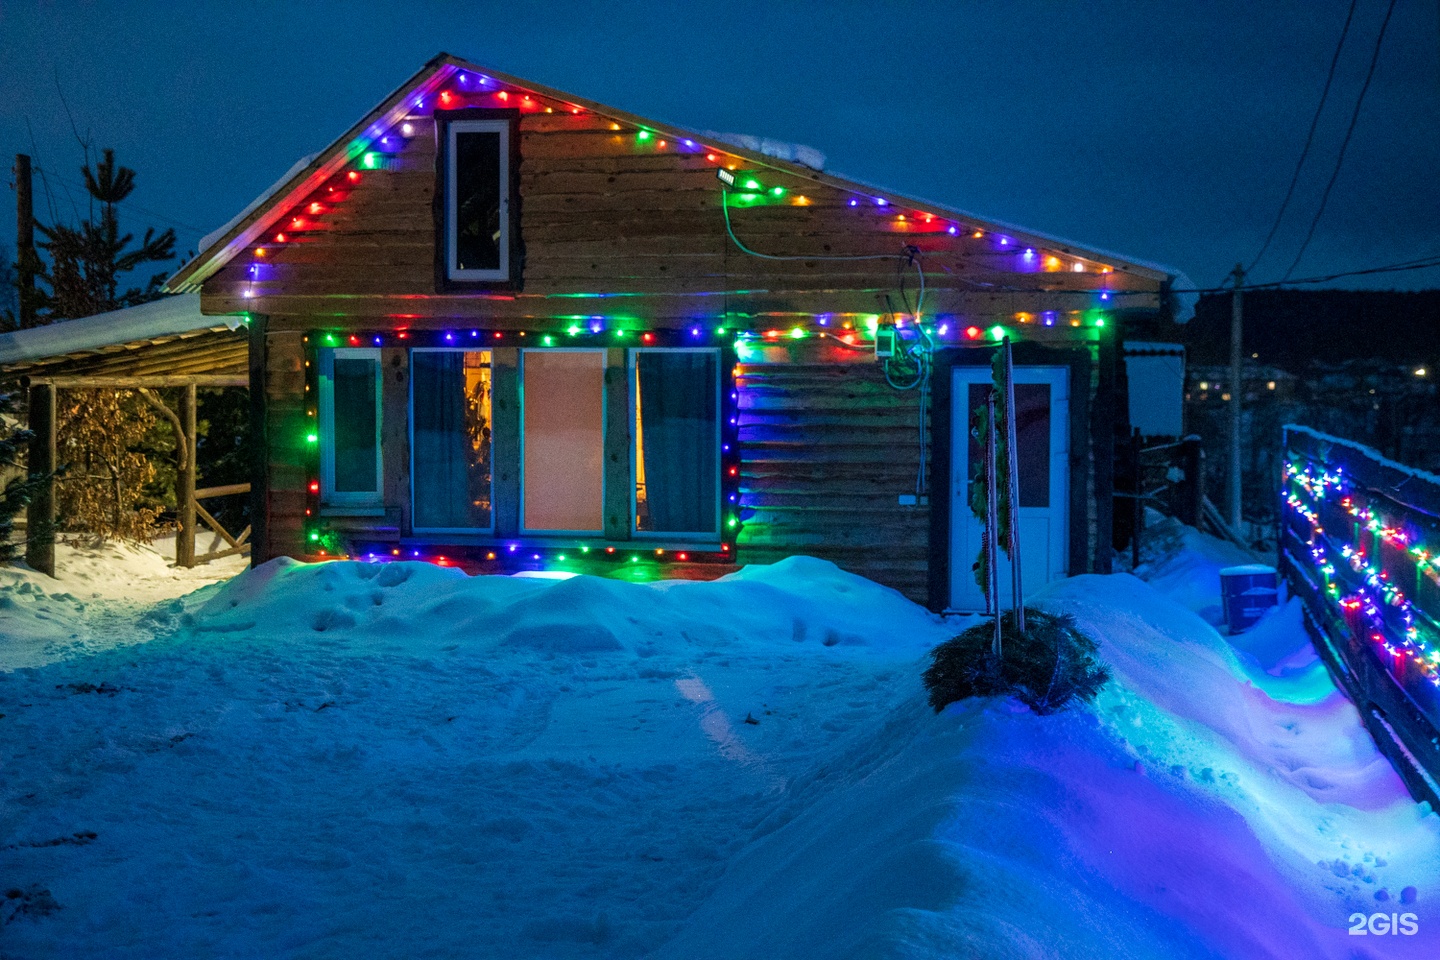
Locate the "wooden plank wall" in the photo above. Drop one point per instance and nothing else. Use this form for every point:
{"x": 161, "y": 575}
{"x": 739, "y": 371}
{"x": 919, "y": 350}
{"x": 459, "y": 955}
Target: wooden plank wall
{"x": 827, "y": 448}
{"x": 286, "y": 426}
{"x": 634, "y": 233}
{"x": 603, "y": 213}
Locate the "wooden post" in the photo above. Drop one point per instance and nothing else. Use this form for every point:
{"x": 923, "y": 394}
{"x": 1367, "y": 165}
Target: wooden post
{"x": 1137, "y": 505}
{"x": 1237, "y": 390}
{"x": 1191, "y": 506}
{"x": 185, "y": 485}
{"x": 260, "y": 468}
{"x": 25, "y": 256}
{"x": 1012, "y": 486}
{"x": 40, "y": 522}
{"x": 992, "y": 528}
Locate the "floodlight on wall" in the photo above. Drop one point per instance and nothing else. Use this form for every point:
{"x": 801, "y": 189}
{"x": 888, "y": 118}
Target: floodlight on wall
{"x": 725, "y": 177}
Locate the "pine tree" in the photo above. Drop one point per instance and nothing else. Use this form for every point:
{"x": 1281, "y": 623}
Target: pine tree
{"x": 87, "y": 261}
{"x": 102, "y": 433}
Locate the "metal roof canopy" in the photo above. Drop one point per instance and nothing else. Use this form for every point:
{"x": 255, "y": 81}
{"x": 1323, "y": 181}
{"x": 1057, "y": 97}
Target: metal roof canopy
{"x": 168, "y": 342}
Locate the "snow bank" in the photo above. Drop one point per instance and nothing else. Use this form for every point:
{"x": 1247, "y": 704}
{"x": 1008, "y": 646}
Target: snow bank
{"x": 346, "y": 760}
{"x": 1190, "y": 815}
{"x": 102, "y": 596}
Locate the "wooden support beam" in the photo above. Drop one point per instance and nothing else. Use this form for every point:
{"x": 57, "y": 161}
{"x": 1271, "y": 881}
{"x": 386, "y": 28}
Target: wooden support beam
{"x": 40, "y": 522}
{"x": 225, "y": 491}
{"x": 185, "y": 482}
{"x": 135, "y": 383}
{"x": 259, "y": 436}
{"x": 214, "y": 525}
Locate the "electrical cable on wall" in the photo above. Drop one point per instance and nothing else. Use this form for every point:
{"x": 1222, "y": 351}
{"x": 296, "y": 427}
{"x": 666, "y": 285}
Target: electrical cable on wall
{"x": 916, "y": 357}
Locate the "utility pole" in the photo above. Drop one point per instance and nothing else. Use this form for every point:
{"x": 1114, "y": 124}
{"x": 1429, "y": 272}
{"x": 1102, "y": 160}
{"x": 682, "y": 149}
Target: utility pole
{"x": 26, "y": 259}
{"x": 1237, "y": 387}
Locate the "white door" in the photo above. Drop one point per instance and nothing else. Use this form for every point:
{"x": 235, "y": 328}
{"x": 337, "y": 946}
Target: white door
{"x": 1042, "y": 402}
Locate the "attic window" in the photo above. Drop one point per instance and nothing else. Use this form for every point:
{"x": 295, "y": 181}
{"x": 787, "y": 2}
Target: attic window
{"x": 478, "y": 229}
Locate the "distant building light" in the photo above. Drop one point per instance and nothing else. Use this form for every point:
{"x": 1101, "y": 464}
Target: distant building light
{"x": 1420, "y": 371}
{"x": 1270, "y": 385}
{"x": 1204, "y": 385}
{"x": 1225, "y": 397}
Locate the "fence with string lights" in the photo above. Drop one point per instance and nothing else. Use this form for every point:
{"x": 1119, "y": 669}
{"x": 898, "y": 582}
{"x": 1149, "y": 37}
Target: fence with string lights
{"x": 1360, "y": 545}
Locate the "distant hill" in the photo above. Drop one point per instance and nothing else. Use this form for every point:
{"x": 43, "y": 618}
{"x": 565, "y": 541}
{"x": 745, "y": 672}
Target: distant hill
{"x": 1291, "y": 328}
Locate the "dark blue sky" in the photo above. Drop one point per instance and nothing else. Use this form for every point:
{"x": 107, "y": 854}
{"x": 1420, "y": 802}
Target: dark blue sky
{"x": 1160, "y": 130}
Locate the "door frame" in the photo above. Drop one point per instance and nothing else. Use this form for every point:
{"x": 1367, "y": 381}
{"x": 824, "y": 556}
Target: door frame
{"x": 1080, "y": 365}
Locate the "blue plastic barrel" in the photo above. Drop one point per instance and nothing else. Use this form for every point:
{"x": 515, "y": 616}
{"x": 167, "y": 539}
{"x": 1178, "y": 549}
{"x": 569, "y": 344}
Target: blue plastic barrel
{"x": 1247, "y": 592}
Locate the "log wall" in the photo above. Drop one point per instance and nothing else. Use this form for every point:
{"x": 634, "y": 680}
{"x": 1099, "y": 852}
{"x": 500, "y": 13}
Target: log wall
{"x": 635, "y": 233}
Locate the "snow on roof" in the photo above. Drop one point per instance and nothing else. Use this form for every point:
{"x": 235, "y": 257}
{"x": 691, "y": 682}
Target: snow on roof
{"x": 159, "y": 318}
{"x": 779, "y": 149}
{"x": 207, "y": 241}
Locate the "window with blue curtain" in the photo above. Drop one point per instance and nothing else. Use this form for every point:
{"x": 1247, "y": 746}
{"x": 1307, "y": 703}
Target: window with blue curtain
{"x": 450, "y": 446}
{"x": 675, "y": 395}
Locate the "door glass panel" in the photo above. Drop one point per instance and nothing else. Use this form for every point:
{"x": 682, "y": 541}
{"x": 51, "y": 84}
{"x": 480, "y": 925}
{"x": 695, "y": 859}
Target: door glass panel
{"x": 563, "y": 434}
{"x": 1032, "y": 437}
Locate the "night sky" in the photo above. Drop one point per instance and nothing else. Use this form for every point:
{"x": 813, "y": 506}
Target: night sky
{"x": 1162, "y": 131}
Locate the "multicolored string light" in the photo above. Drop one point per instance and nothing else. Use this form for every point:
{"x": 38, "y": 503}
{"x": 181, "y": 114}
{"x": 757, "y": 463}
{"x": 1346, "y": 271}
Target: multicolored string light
{"x": 1365, "y": 606}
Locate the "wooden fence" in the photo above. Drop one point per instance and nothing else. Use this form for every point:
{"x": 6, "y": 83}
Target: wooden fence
{"x": 1360, "y": 545}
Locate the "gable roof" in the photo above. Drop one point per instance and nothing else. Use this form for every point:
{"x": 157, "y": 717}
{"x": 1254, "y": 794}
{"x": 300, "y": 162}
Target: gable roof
{"x": 220, "y": 247}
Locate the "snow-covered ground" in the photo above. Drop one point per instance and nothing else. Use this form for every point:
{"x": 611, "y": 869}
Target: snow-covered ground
{"x": 351, "y": 760}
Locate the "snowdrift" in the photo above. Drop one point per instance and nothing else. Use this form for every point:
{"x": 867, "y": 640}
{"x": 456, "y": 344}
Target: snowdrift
{"x": 350, "y": 759}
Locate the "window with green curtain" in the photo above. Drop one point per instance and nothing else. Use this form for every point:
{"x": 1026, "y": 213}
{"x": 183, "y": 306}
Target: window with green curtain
{"x": 350, "y": 427}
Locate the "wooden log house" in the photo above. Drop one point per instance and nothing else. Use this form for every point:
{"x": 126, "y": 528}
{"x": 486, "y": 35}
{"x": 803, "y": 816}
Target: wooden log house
{"x": 501, "y": 326}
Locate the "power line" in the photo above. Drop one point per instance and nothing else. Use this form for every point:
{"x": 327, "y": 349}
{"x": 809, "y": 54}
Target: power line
{"x": 1344, "y": 144}
{"x": 1309, "y": 138}
{"x": 131, "y": 205}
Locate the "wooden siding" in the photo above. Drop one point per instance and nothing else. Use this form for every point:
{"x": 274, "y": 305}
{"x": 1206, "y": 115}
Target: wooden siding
{"x": 637, "y": 235}
{"x": 604, "y": 215}
{"x": 827, "y": 448}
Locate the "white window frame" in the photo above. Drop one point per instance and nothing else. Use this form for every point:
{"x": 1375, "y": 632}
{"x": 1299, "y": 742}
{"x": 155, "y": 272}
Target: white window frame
{"x": 418, "y": 530}
{"x": 352, "y": 502}
{"x": 453, "y": 128}
{"x": 632, "y": 393}
{"x": 604, "y": 442}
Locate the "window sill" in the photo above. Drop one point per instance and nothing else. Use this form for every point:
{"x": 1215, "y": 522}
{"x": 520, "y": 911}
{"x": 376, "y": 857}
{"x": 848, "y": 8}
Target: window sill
{"x": 342, "y": 510}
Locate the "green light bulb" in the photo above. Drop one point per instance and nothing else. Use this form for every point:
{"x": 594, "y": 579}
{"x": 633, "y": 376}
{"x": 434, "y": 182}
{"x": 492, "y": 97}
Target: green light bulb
{"x": 997, "y": 332}
{"x": 643, "y": 135}
{"x": 753, "y": 185}
{"x": 314, "y": 535}
{"x": 584, "y": 549}
{"x": 777, "y": 191}
{"x": 561, "y": 557}
{"x": 797, "y": 334}
{"x": 548, "y": 340}
{"x": 573, "y": 330}
{"x": 732, "y": 523}
{"x": 311, "y": 438}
